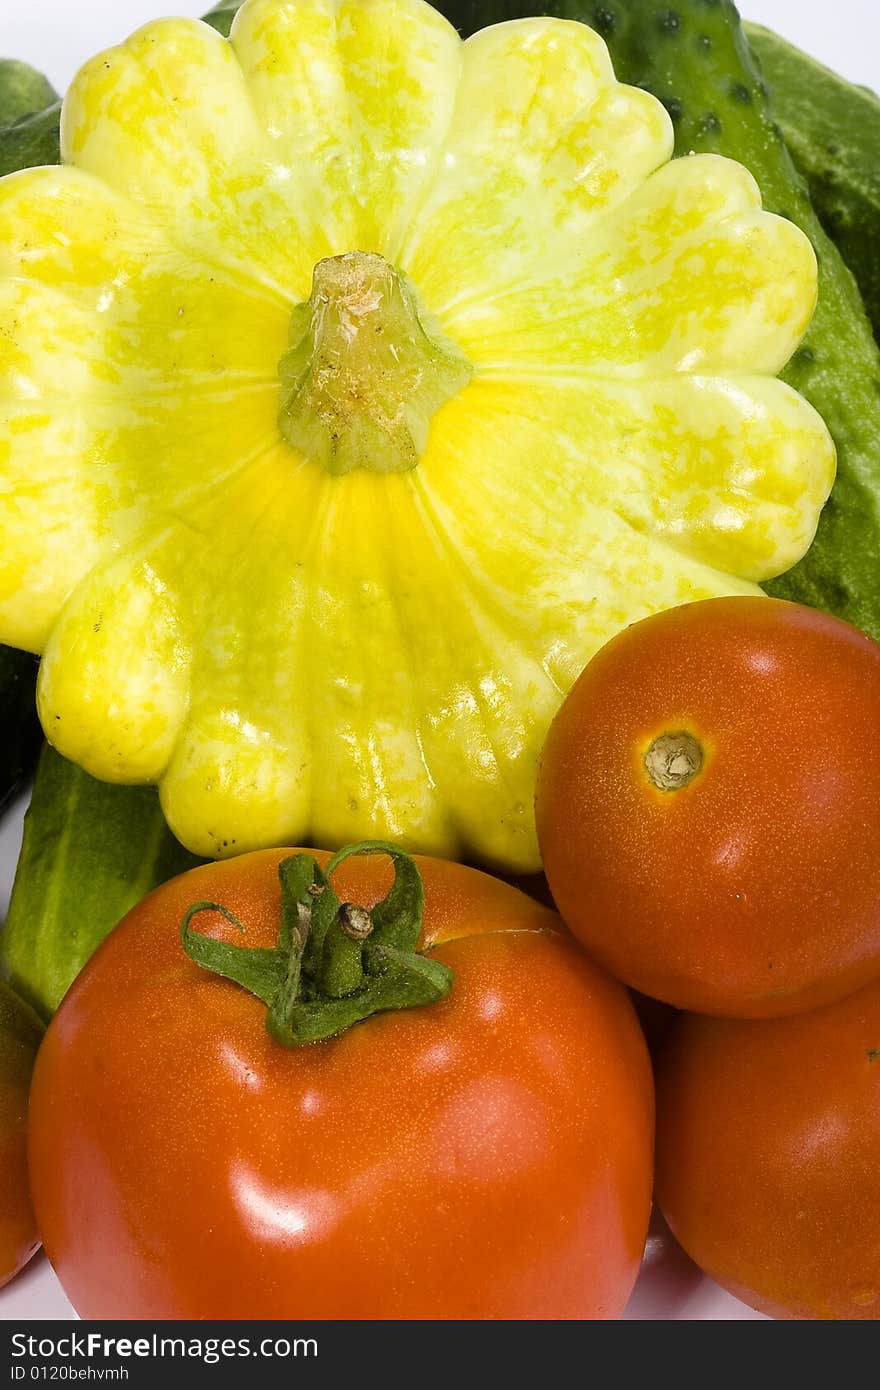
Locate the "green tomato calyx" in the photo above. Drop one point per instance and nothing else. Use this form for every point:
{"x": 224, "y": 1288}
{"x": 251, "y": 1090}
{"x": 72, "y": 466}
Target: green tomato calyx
{"x": 334, "y": 964}
{"x": 366, "y": 369}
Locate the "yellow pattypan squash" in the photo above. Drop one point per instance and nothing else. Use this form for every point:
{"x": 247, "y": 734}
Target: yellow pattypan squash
{"x": 357, "y": 384}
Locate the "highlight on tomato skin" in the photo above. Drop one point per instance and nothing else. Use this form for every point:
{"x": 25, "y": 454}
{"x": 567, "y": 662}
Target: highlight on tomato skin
{"x": 486, "y": 1156}
{"x": 708, "y": 807}
{"x": 768, "y": 1147}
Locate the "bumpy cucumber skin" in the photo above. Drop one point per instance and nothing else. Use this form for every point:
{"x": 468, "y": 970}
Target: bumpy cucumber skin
{"x": 694, "y": 56}
{"x": 832, "y": 129}
{"x": 90, "y": 852}
{"x": 21, "y": 730}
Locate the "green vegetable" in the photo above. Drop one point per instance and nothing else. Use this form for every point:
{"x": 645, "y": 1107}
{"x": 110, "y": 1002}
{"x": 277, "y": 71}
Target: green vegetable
{"x": 222, "y": 15}
{"x": 90, "y": 852}
{"x": 29, "y": 113}
{"x": 31, "y": 141}
{"x": 832, "y": 129}
{"x": 694, "y": 56}
{"x": 22, "y": 90}
{"x": 18, "y": 718}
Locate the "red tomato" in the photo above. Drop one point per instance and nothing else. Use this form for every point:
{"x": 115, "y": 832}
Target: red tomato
{"x": 709, "y": 807}
{"x": 20, "y": 1033}
{"x": 484, "y": 1157}
{"x": 768, "y": 1149}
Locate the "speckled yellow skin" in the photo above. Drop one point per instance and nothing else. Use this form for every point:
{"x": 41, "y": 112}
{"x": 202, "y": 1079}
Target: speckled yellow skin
{"x": 302, "y": 658}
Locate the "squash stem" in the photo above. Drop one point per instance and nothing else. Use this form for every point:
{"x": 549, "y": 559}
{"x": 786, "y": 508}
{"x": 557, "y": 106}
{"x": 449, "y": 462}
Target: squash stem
{"x": 366, "y": 370}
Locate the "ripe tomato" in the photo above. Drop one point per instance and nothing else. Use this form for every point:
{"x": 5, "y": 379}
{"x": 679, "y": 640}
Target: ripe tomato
{"x": 709, "y": 807}
{"x": 488, "y": 1156}
{"x": 20, "y": 1033}
{"x": 768, "y": 1149}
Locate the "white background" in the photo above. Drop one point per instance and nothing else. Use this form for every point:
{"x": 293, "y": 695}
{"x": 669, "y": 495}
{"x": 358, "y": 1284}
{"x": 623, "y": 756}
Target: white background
{"x": 56, "y": 36}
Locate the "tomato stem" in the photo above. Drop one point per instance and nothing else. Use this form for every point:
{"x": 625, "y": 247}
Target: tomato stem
{"x": 334, "y": 964}
{"x": 673, "y": 761}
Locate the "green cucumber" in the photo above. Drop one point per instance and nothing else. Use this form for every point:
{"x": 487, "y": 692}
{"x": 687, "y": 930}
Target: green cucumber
{"x": 22, "y": 90}
{"x": 90, "y": 852}
{"x": 832, "y": 129}
{"x": 222, "y": 15}
{"x": 32, "y": 141}
{"x": 29, "y": 115}
{"x": 694, "y": 56}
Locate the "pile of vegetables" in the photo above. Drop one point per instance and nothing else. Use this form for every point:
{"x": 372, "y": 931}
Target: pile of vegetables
{"x": 402, "y": 433}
